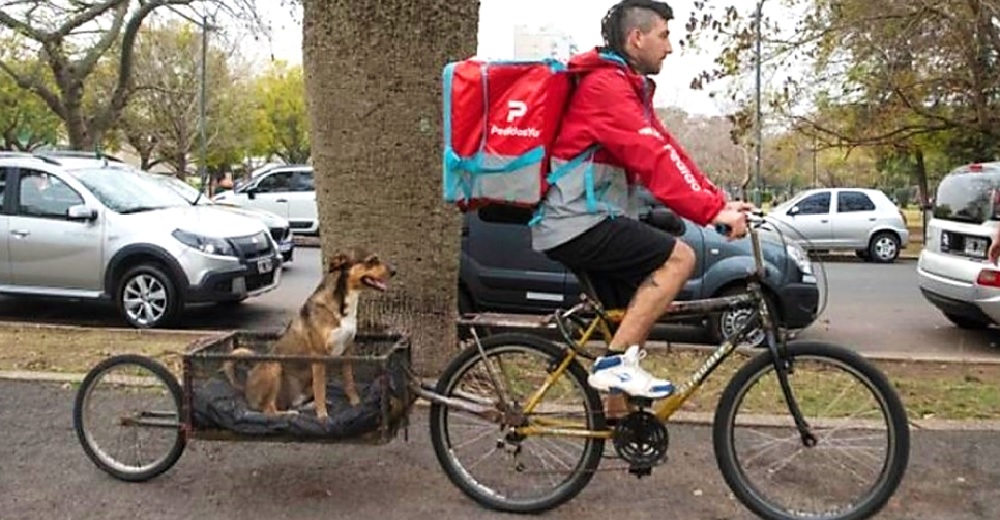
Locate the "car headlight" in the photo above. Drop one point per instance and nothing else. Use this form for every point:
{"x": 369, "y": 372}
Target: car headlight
{"x": 800, "y": 257}
{"x": 207, "y": 245}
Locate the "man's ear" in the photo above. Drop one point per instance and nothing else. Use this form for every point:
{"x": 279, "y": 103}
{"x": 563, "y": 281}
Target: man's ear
{"x": 337, "y": 262}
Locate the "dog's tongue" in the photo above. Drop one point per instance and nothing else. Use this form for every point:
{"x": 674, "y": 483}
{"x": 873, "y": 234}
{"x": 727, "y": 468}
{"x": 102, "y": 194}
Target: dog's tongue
{"x": 376, "y": 283}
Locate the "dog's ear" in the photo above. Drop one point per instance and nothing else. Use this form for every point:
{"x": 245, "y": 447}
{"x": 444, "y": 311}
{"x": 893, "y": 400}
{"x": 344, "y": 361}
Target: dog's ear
{"x": 337, "y": 262}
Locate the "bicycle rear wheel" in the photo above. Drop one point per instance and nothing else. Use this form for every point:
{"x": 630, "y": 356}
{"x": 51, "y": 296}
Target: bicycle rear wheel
{"x": 490, "y": 462}
{"x": 860, "y": 425}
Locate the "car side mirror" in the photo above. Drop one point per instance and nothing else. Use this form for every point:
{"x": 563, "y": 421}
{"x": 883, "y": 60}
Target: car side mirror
{"x": 663, "y": 218}
{"x": 793, "y": 211}
{"x": 81, "y": 212}
{"x": 251, "y": 192}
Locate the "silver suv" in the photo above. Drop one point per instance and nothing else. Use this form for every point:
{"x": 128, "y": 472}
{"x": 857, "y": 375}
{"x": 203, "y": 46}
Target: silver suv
{"x": 92, "y": 230}
{"x": 953, "y": 271}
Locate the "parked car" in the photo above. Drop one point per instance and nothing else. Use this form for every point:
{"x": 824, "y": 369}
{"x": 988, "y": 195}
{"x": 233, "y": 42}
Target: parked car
{"x": 73, "y": 229}
{"x": 953, "y": 271}
{"x": 863, "y": 220}
{"x": 288, "y": 191}
{"x": 279, "y": 227}
{"x": 501, "y": 273}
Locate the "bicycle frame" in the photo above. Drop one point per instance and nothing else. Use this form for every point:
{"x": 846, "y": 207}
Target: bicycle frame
{"x": 665, "y": 408}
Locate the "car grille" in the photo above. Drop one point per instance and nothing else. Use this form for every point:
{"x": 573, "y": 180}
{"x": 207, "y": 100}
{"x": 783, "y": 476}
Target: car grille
{"x": 279, "y": 233}
{"x": 256, "y": 281}
{"x": 253, "y": 246}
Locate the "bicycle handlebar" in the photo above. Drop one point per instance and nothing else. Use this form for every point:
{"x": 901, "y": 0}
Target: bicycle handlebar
{"x": 754, "y": 219}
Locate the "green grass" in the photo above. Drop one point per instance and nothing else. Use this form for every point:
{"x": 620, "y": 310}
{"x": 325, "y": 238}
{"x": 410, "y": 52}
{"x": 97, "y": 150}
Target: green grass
{"x": 928, "y": 390}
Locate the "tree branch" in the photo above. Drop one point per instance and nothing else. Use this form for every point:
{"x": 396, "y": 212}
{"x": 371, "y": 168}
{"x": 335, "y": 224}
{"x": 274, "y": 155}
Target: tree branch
{"x": 89, "y": 61}
{"x": 89, "y": 15}
{"x": 121, "y": 92}
{"x": 35, "y": 85}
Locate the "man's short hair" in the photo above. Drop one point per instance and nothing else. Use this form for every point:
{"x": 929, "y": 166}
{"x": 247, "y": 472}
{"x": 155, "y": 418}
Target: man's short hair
{"x": 628, "y": 15}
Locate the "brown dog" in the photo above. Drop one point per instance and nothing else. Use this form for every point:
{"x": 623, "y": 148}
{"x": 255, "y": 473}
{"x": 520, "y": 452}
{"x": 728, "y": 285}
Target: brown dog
{"x": 325, "y": 326}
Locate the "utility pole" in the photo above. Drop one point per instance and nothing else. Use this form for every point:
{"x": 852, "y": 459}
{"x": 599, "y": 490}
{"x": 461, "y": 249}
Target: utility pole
{"x": 203, "y": 153}
{"x": 815, "y": 169}
{"x": 759, "y": 132}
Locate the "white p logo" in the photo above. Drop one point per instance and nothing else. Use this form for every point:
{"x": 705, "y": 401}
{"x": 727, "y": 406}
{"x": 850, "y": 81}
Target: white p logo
{"x": 515, "y": 109}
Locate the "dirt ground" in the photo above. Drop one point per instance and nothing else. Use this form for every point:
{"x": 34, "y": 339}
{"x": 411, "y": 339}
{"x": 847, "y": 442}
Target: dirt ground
{"x": 952, "y": 476}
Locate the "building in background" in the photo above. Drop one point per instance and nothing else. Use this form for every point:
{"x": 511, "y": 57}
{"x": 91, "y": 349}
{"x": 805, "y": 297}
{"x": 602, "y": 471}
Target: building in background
{"x": 543, "y": 42}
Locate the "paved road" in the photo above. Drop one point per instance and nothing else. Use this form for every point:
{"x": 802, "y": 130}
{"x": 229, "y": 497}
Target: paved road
{"x": 44, "y": 474}
{"x": 873, "y": 308}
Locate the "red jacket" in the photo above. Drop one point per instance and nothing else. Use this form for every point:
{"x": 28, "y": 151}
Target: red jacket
{"x": 612, "y": 106}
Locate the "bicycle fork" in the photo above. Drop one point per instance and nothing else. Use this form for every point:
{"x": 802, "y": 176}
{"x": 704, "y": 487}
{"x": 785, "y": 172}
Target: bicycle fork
{"x": 783, "y": 367}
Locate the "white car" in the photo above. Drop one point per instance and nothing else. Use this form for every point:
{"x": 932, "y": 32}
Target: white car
{"x": 859, "y": 219}
{"x": 953, "y": 271}
{"x": 288, "y": 191}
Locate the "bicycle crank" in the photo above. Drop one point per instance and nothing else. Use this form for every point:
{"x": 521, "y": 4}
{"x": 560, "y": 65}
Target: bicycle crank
{"x": 641, "y": 440}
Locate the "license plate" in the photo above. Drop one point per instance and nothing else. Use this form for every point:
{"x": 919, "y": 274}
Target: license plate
{"x": 975, "y": 247}
{"x": 265, "y": 265}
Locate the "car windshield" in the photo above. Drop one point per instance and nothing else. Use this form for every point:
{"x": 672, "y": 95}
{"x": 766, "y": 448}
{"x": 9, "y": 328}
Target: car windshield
{"x": 185, "y": 190}
{"x": 126, "y": 190}
{"x": 969, "y": 196}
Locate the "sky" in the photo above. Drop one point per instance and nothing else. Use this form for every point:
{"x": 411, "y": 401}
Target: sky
{"x": 580, "y": 19}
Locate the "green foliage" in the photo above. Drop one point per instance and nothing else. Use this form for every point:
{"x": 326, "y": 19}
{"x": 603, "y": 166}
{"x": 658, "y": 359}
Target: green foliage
{"x": 910, "y": 88}
{"x": 282, "y": 125}
{"x": 25, "y": 121}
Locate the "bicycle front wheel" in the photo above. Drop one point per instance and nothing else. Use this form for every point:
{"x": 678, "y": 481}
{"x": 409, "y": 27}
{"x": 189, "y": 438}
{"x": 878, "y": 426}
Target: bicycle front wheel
{"x": 862, "y": 436}
{"x": 489, "y": 460}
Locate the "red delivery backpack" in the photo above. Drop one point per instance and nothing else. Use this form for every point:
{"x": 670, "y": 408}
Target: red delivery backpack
{"x": 500, "y": 120}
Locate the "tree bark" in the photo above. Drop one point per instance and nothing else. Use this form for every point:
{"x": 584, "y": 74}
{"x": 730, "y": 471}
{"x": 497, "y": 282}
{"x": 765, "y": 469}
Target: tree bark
{"x": 372, "y": 76}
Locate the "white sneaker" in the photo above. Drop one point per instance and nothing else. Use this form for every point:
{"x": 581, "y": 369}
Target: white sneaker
{"x": 622, "y": 373}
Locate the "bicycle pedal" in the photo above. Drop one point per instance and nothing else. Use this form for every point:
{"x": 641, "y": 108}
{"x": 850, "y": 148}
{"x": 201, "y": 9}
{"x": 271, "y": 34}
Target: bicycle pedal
{"x": 640, "y": 471}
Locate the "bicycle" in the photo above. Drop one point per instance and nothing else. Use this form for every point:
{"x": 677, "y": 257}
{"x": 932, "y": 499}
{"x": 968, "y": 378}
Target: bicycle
{"x": 529, "y": 435}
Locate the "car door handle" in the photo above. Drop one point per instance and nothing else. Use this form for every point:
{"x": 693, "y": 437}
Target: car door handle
{"x": 871, "y": 219}
{"x": 824, "y": 221}
{"x": 20, "y": 232}
{"x": 281, "y": 200}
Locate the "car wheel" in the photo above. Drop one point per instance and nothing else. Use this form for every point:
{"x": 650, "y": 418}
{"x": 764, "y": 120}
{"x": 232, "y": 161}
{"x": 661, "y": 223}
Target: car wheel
{"x": 147, "y": 298}
{"x": 722, "y": 326}
{"x": 884, "y": 248}
{"x": 287, "y": 257}
{"x": 965, "y": 322}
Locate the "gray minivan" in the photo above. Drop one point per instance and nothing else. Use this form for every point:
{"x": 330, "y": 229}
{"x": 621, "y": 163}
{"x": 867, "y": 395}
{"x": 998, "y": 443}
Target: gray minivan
{"x": 501, "y": 273}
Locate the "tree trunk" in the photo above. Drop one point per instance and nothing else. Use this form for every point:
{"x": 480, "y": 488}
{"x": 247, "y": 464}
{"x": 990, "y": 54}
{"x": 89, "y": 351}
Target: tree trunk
{"x": 373, "y": 87}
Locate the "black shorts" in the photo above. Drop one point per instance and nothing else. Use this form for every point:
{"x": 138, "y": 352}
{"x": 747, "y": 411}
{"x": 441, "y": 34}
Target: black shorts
{"x": 617, "y": 255}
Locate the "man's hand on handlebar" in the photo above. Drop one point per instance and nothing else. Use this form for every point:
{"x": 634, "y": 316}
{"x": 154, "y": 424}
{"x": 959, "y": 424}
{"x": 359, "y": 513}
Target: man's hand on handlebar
{"x": 732, "y": 222}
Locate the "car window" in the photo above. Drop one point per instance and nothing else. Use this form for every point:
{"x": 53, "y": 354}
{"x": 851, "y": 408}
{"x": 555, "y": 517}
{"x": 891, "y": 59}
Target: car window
{"x": 815, "y": 204}
{"x": 304, "y": 181}
{"x": 3, "y": 186}
{"x": 45, "y": 195}
{"x": 278, "y": 181}
{"x": 848, "y": 201}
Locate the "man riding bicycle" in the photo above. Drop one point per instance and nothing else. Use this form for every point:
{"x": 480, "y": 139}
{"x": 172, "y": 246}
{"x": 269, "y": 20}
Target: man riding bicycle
{"x": 628, "y": 262}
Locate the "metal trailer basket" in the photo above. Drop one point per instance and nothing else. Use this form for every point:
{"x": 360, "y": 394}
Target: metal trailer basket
{"x": 215, "y": 410}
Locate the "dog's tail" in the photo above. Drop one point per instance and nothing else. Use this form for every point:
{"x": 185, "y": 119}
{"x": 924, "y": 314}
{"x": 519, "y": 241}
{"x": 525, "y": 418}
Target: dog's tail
{"x": 229, "y": 367}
